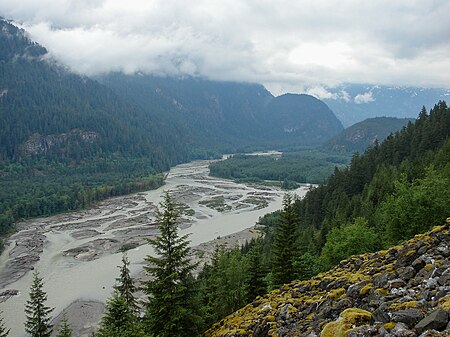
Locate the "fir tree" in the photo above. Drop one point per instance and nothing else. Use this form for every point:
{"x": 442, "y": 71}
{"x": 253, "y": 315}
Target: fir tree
{"x": 119, "y": 319}
{"x": 38, "y": 315}
{"x": 3, "y": 330}
{"x": 169, "y": 310}
{"x": 65, "y": 330}
{"x": 284, "y": 247}
{"x": 125, "y": 285}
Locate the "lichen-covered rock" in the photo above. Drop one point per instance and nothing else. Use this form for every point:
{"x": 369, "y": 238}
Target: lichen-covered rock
{"x": 401, "y": 292}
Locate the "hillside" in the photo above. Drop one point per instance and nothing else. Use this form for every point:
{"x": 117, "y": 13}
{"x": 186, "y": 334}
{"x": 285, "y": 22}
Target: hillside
{"x": 402, "y": 291}
{"x": 358, "y": 137}
{"x": 48, "y": 111}
{"x": 353, "y": 103}
{"x": 228, "y": 116}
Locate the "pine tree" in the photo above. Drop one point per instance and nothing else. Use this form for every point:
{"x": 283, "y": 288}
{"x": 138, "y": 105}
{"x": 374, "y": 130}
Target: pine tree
{"x": 3, "y": 330}
{"x": 38, "y": 315}
{"x": 65, "y": 330}
{"x": 169, "y": 310}
{"x": 125, "y": 285}
{"x": 284, "y": 246}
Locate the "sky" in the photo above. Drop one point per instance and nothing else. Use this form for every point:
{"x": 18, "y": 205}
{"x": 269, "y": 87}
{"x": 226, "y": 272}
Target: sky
{"x": 288, "y": 46}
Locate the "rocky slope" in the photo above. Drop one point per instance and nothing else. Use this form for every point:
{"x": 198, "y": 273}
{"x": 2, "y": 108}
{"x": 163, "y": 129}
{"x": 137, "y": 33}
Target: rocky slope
{"x": 400, "y": 292}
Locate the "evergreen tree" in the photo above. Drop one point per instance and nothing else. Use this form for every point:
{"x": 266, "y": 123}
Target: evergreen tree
{"x": 3, "y": 330}
{"x": 38, "y": 315}
{"x": 65, "y": 330}
{"x": 284, "y": 247}
{"x": 169, "y": 310}
{"x": 125, "y": 285}
{"x": 119, "y": 319}
{"x": 255, "y": 273}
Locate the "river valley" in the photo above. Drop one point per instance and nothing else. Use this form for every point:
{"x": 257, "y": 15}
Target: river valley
{"x": 77, "y": 253}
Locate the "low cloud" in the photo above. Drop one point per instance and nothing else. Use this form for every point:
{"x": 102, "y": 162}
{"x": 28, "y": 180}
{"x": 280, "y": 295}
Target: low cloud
{"x": 367, "y": 97}
{"x": 288, "y": 46}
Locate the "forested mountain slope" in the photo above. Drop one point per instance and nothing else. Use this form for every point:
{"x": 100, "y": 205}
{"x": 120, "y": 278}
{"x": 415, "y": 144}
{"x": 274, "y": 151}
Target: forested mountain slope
{"x": 359, "y": 136}
{"x": 390, "y": 193}
{"x": 230, "y": 116}
{"x": 46, "y": 110}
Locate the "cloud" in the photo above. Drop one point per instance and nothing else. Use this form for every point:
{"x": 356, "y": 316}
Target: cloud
{"x": 288, "y": 46}
{"x": 364, "y": 98}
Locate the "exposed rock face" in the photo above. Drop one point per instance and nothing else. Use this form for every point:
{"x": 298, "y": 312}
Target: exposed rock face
{"x": 403, "y": 291}
{"x": 39, "y": 144}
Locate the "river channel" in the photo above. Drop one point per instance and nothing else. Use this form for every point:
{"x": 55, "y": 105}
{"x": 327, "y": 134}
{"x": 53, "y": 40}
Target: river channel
{"x": 77, "y": 253}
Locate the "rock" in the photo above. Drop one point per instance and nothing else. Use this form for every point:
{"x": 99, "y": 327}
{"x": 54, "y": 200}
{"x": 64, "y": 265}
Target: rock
{"x": 408, "y": 316}
{"x": 381, "y": 316}
{"x": 438, "y": 320}
{"x": 401, "y": 330}
{"x": 397, "y": 283}
{"x": 418, "y": 264}
{"x": 406, "y": 273}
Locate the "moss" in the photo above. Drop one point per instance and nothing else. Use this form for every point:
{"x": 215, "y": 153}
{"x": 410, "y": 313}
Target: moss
{"x": 404, "y": 305}
{"x": 381, "y": 291}
{"x": 334, "y": 294}
{"x": 348, "y": 320}
{"x": 338, "y": 328}
{"x": 364, "y": 290}
{"x": 356, "y": 316}
{"x": 389, "y": 326}
{"x": 428, "y": 267}
{"x": 444, "y": 303}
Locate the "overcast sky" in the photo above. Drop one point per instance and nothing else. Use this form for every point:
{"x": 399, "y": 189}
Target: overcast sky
{"x": 285, "y": 45}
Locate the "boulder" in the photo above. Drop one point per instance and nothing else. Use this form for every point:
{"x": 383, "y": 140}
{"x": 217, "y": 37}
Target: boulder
{"x": 408, "y": 316}
{"x": 438, "y": 320}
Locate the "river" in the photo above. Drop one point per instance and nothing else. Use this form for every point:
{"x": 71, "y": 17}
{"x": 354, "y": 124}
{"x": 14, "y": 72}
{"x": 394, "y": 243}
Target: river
{"x": 78, "y": 253}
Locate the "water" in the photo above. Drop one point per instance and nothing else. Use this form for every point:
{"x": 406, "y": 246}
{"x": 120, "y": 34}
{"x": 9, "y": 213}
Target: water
{"x": 220, "y": 208}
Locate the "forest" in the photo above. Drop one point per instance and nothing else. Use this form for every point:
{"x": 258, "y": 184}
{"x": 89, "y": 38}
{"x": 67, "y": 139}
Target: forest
{"x": 388, "y": 194}
{"x": 306, "y": 166}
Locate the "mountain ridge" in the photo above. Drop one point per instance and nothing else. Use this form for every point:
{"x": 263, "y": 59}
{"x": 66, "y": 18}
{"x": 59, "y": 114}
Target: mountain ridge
{"x": 359, "y": 136}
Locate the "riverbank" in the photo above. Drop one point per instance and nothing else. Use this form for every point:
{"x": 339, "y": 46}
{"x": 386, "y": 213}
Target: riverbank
{"x": 78, "y": 253}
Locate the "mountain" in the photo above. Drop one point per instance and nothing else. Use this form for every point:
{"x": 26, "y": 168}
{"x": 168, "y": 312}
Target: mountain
{"x": 48, "y": 111}
{"x": 360, "y": 136}
{"x": 402, "y": 291}
{"x": 229, "y": 116}
{"x": 291, "y": 117}
{"x": 354, "y": 103}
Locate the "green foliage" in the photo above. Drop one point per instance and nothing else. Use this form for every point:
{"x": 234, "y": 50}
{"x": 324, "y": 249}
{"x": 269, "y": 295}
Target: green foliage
{"x": 416, "y": 206}
{"x": 125, "y": 286}
{"x": 292, "y": 167}
{"x": 119, "y": 319}
{"x": 37, "y": 314}
{"x": 170, "y": 309}
{"x": 284, "y": 245}
{"x": 65, "y": 330}
{"x": 350, "y": 239}
{"x": 3, "y": 330}
{"x": 42, "y": 187}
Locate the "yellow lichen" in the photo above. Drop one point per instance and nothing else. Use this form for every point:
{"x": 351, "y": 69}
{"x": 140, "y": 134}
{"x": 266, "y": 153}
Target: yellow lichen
{"x": 404, "y": 305}
{"x": 349, "y": 319}
{"x": 381, "y": 291}
{"x": 364, "y": 290}
{"x": 334, "y": 294}
{"x": 389, "y": 326}
{"x": 428, "y": 267}
{"x": 444, "y": 303}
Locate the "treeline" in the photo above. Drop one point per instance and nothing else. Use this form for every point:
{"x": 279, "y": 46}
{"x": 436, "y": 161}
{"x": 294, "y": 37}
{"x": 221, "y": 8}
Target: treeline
{"x": 307, "y": 166}
{"x": 42, "y": 187}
